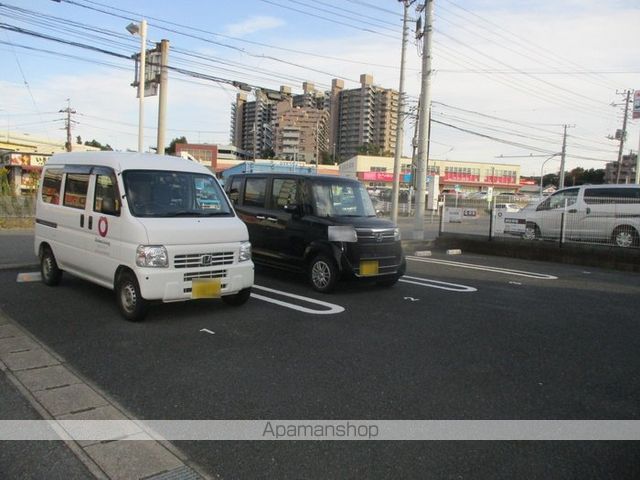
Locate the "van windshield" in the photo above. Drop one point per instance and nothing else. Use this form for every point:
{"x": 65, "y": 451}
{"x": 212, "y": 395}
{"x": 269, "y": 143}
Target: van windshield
{"x": 341, "y": 199}
{"x": 161, "y": 193}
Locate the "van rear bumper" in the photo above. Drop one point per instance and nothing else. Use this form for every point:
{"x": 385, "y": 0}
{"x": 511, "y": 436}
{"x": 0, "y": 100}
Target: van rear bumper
{"x": 173, "y": 285}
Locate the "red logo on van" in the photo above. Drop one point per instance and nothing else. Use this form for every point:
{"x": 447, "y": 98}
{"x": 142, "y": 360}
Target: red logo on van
{"x": 103, "y": 226}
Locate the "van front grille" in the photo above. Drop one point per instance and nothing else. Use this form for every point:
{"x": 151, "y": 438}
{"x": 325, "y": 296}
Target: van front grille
{"x": 194, "y": 260}
{"x": 208, "y": 274}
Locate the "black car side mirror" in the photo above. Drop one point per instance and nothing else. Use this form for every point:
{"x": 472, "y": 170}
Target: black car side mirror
{"x": 293, "y": 208}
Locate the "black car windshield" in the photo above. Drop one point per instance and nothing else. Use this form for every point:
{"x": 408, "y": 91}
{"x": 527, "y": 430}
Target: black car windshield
{"x": 341, "y": 199}
{"x": 160, "y": 193}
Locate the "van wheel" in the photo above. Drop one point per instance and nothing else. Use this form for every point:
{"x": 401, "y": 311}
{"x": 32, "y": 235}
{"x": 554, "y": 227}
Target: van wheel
{"x": 625, "y": 237}
{"x": 130, "y": 302}
{"x": 531, "y": 232}
{"x": 239, "y": 298}
{"x": 49, "y": 270}
{"x": 323, "y": 274}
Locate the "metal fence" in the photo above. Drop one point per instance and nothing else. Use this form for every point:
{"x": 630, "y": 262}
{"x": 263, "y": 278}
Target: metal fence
{"x": 17, "y": 206}
{"x": 601, "y": 221}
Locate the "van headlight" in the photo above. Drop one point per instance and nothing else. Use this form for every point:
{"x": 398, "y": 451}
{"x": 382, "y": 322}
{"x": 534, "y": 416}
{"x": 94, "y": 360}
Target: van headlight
{"x": 152, "y": 256}
{"x": 396, "y": 234}
{"x": 245, "y": 252}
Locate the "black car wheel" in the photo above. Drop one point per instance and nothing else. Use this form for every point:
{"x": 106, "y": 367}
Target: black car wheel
{"x": 323, "y": 273}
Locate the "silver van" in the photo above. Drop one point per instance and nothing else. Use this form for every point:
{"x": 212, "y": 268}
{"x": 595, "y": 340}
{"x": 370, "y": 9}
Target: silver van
{"x": 599, "y": 213}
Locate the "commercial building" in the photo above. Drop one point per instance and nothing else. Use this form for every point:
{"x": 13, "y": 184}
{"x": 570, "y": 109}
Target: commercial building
{"x": 377, "y": 172}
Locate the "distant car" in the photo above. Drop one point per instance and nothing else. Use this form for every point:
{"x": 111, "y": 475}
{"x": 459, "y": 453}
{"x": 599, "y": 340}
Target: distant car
{"x": 507, "y": 207}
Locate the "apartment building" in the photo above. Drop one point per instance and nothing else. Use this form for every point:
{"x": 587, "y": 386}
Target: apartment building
{"x": 302, "y": 132}
{"x": 629, "y": 172}
{"x": 366, "y": 115}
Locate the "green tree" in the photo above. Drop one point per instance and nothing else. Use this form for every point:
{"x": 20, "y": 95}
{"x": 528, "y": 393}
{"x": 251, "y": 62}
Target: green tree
{"x": 268, "y": 153}
{"x": 171, "y": 150}
{"x": 5, "y": 188}
{"x": 96, "y": 144}
{"x": 369, "y": 149}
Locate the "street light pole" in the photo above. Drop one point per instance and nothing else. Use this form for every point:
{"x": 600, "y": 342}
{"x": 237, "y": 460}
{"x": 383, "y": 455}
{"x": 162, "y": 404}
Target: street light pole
{"x": 400, "y": 119}
{"x": 140, "y": 29}
{"x": 542, "y": 170}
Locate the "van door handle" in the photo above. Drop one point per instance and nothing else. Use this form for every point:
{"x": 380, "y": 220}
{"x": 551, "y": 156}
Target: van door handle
{"x": 82, "y": 220}
{"x": 260, "y": 217}
{"x": 90, "y": 223}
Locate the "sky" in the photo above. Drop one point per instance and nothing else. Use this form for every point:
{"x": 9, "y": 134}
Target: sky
{"x": 507, "y": 76}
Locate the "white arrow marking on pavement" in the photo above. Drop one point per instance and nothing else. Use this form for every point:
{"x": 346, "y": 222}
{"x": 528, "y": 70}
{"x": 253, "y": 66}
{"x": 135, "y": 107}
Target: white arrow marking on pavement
{"x": 427, "y": 282}
{"x": 206, "y": 330}
{"x": 506, "y": 271}
{"x": 332, "y": 309}
{"x": 412, "y": 299}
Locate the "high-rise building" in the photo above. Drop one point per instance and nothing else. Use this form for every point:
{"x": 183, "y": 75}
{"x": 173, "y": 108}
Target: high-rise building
{"x": 361, "y": 117}
{"x": 302, "y": 133}
{"x": 367, "y": 117}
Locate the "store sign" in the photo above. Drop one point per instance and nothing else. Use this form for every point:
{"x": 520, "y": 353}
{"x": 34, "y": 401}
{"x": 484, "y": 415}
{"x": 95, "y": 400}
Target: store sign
{"x": 26, "y": 159}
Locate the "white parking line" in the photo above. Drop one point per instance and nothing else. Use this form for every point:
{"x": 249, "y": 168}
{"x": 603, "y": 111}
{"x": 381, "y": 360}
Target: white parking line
{"x": 506, "y": 271}
{"x": 332, "y": 309}
{"x": 427, "y": 282}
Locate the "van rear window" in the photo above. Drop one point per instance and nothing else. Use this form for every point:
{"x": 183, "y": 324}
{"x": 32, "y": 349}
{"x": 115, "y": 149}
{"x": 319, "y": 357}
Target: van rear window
{"x": 51, "y": 183}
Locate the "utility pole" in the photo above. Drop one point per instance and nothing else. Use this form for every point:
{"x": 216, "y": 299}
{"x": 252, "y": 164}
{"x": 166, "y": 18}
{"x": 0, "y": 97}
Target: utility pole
{"x": 69, "y": 111}
{"x": 562, "y": 157}
{"x": 425, "y": 106}
{"x": 623, "y": 135}
{"x": 400, "y": 129}
{"x": 162, "y": 99}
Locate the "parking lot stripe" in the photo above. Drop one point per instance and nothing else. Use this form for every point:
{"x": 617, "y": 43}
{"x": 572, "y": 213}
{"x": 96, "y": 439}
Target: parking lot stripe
{"x": 332, "y": 308}
{"x": 486, "y": 268}
{"x": 426, "y": 282}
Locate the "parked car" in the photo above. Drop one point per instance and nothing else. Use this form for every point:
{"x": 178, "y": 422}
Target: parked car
{"x": 507, "y": 207}
{"x": 150, "y": 227}
{"x": 323, "y": 225}
{"x": 593, "y": 212}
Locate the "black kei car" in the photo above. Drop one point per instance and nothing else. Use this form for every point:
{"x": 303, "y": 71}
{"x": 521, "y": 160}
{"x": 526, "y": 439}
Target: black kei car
{"x": 323, "y": 225}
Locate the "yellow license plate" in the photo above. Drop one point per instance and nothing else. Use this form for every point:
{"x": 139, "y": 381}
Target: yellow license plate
{"x": 368, "y": 268}
{"x": 206, "y": 288}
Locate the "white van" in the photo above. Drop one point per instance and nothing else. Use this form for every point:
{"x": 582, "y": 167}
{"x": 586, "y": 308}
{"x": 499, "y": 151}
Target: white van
{"x": 151, "y": 227}
{"x": 600, "y": 213}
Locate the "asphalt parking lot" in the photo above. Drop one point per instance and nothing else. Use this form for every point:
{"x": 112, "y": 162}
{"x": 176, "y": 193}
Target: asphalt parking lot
{"x": 459, "y": 337}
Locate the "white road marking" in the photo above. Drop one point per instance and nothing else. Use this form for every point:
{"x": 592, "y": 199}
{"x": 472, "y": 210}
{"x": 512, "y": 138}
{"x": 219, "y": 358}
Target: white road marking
{"x": 426, "y": 282}
{"x": 506, "y": 271}
{"x": 332, "y": 308}
{"x": 29, "y": 277}
{"x": 206, "y": 330}
{"x": 412, "y": 299}
{"x": 515, "y": 283}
